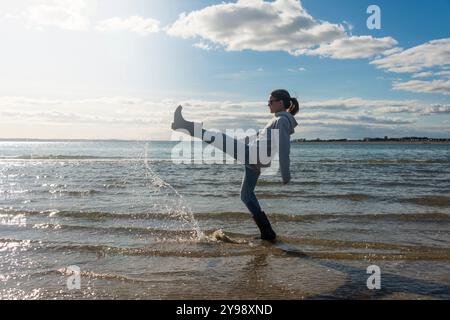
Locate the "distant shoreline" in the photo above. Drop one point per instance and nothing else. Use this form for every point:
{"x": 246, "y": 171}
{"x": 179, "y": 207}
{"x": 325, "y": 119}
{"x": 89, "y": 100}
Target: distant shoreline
{"x": 370, "y": 142}
{"x": 331, "y": 141}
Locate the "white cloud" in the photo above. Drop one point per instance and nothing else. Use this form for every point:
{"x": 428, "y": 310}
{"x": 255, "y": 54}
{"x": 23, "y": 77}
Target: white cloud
{"x": 273, "y": 26}
{"x": 352, "y": 47}
{"x": 241, "y": 75}
{"x": 203, "y": 45}
{"x": 75, "y": 15}
{"x": 428, "y": 60}
{"x": 119, "y": 117}
{"x": 359, "y": 118}
{"x": 425, "y": 74}
{"x": 300, "y": 69}
{"x": 432, "y": 86}
{"x": 392, "y": 51}
{"x": 417, "y": 110}
{"x": 444, "y": 74}
{"x": 435, "y": 53}
{"x": 439, "y": 108}
{"x": 376, "y": 107}
{"x": 136, "y": 24}
{"x": 96, "y": 111}
{"x": 64, "y": 14}
{"x": 355, "y": 103}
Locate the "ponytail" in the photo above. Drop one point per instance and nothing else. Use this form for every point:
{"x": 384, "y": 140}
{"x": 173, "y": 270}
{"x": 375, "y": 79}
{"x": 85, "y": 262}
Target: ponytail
{"x": 291, "y": 104}
{"x": 295, "y": 107}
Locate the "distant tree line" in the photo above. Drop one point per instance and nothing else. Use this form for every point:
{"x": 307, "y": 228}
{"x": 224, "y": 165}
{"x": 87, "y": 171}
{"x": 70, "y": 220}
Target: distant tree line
{"x": 385, "y": 139}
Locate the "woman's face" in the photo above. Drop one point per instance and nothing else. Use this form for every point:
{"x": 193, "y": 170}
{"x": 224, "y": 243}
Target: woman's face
{"x": 275, "y": 105}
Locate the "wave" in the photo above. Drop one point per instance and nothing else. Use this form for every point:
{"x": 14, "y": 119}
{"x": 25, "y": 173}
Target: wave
{"x": 279, "y": 217}
{"x": 84, "y": 158}
{"x": 96, "y": 275}
{"x": 75, "y": 193}
{"x": 432, "y": 201}
{"x": 207, "y": 166}
{"x": 56, "y": 157}
{"x": 102, "y": 250}
{"x": 293, "y": 194}
{"x": 213, "y": 248}
{"x": 69, "y": 193}
{"x": 390, "y": 184}
{"x": 226, "y": 215}
{"x": 350, "y": 196}
{"x": 374, "y": 183}
{"x": 278, "y": 183}
{"x": 213, "y": 181}
{"x": 112, "y": 276}
{"x": 132, "y": 230}
{"x": 272, "y": 195}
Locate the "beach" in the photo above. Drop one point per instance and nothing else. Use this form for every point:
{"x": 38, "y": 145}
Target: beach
{"x": 134, "y": 224}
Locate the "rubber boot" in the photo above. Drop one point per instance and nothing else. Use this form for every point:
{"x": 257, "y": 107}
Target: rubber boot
{"x": 265, "y": 227}
{"x": 180, "y": 123}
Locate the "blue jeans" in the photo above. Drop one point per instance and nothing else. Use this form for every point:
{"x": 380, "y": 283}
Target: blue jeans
{"x": 248, "y": 191}
{"x": 236, "y": 145}
{"x": 251, "y": 173}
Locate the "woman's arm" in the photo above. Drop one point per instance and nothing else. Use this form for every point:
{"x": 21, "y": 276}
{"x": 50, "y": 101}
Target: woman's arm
{"x": 284, "y": 148}
{"x": 249, "y": 139}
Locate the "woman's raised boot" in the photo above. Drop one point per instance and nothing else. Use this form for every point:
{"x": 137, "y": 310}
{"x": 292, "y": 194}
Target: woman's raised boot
{"x": 180, "y": 123}
{"x": 195, "y": 129}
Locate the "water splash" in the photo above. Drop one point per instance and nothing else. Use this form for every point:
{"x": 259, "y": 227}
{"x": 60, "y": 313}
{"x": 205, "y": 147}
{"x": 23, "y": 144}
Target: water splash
{"x": 176, "y": 207}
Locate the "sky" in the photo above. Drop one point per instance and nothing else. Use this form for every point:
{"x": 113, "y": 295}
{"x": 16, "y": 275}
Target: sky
{"x": 114, "y": 69}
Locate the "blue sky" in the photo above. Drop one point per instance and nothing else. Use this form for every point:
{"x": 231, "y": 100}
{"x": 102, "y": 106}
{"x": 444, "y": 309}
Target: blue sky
{"x": 117, "y": 69}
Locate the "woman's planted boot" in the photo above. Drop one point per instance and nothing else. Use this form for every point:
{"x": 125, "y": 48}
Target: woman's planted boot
{"x": 265, "y": 227}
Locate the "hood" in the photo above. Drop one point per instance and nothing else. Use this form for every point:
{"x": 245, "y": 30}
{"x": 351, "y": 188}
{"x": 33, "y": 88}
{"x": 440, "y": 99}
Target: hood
{"x": 290, "y": 117}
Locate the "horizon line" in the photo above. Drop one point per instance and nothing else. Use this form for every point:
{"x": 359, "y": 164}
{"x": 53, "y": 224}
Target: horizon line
{"x": 149, "y": 140}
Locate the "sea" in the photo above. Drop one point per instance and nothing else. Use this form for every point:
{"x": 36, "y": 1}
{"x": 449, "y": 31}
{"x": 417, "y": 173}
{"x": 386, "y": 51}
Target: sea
{"x": 129, "y": 220}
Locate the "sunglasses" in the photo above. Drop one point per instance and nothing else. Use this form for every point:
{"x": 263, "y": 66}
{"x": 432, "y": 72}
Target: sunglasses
{"x": 271, "y": 101}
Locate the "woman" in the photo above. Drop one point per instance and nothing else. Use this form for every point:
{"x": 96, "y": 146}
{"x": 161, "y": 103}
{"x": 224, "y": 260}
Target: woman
{"x": 284, "y": 108}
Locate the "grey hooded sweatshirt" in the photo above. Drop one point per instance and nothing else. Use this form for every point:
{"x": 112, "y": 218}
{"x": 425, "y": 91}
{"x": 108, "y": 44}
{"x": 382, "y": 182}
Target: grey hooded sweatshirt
{"x": 285, "y": 123}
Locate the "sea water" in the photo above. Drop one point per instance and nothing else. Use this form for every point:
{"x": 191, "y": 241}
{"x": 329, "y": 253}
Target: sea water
{"x": 139, "y": 225}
